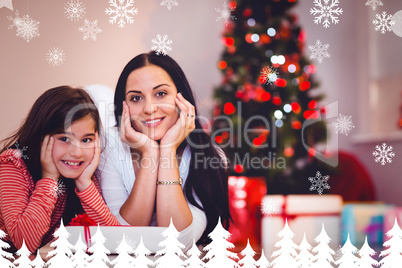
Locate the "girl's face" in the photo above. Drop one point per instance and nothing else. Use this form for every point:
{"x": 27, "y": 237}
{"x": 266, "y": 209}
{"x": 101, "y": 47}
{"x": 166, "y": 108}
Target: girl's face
{"x": 74, "y": 149}
{"x": 150, "y": 96}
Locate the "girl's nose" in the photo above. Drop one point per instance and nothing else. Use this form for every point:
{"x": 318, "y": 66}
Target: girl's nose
{"x": 75, "y": 150}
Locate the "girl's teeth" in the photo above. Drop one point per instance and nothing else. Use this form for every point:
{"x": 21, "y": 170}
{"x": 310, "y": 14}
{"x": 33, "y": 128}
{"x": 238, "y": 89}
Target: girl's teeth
{"x": 72, "y": 163}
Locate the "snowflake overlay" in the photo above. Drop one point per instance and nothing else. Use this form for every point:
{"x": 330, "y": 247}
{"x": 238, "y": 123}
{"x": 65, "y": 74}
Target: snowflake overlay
{"x": 22, "y": 150}
{"x": 90, "y": 29}
{"x": 269, "y": 75}
{"x": 55, "y": 57}
{"x": 383, "y": 154}
{"x": 270, "y": 207}
{"x": 383, "y": 22}
{"x": 161, "y": 44}
{"x": 27, "y": 28}
{"x": 58, "y": 190}
{"x": 121, "y": 12}
{"x": 343, "y": 124}
{"x": 169, "y": 3}
{"x": 224, "y": 14}
{"x": 74, "y": 10}
{"x": 326, "y": 11}
{"x": 319, "y": 51}
{"x": 374, "y": 3}
{"x": 319, "y": 182}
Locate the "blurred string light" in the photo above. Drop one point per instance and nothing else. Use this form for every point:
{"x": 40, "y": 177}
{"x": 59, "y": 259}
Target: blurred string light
{"x": 292, "y": 68}
{"x": 279, "y": 123}
{"x": 278, "y": 114}
{"x": 251, "y": 22}
{"x": 271, "y": 32}
{"x": 280, "y": 59}
{"x": 287, "y": 108}
{"x": 255, "y": 38}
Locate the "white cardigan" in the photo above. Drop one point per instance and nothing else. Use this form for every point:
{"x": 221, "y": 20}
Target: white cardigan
{"x": 116, "y": 177}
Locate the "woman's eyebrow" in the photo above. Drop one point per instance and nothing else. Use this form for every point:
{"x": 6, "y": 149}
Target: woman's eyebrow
{"x": 156, "y": 87}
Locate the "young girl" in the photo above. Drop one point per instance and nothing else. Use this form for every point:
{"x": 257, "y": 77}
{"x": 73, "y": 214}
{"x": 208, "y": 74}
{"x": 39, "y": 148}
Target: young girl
{"x": 159, "y": 164}
{"x": 47, "y": 166}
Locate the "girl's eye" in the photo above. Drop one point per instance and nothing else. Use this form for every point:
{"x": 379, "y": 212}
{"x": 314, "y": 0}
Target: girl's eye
{"x": 87, "y": 140}
{"x": 64, "y": 139}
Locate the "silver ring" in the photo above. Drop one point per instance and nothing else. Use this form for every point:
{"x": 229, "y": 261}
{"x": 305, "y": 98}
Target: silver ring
{"x": 191, "y": 115}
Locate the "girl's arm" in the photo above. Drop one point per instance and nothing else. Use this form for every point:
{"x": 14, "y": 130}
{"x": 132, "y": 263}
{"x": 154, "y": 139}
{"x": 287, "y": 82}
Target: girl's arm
{"x": 25, "y": 215}
{"x": 94, "y": 206}
{"x": 171, "y": 202}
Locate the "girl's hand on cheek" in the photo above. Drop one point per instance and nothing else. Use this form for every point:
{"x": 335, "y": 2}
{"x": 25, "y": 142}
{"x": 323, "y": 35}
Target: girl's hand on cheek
{"x": 135, "y": 139}
{"x": 84, "y": 180}
{"x": 49, "y": 169}
{"x": 184, "y": 125}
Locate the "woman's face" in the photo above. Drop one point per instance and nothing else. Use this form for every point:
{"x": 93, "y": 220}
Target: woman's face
{"x": 150, "y": 96}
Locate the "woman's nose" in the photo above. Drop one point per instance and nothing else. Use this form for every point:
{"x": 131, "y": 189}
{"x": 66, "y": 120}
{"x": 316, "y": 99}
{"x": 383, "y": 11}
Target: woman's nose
{"x": 150, "y": 108}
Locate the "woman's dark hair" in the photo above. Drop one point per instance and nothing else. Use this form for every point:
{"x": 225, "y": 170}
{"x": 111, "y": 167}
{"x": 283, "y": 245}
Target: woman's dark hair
{"x": 209, "y": 184}
{"x": 52, "y": 113}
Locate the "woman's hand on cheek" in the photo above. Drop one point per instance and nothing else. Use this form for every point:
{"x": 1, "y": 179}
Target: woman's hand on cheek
{"x": 84, "y": 180}
{"x": 184, "y": 125}
{"x": 49, "y": 169}
{"x": 135, "y": 139}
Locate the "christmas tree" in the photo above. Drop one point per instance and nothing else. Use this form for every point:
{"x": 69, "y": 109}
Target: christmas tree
{"x": 348, "y": 259}
{"x": 23, "y": 256}
{"x": 61, "y": 255}
{"x": 124, "y": 259}
{"x": 171, "y": 253}
{"x": 80, "y": 258}
{"x": 141, "y": 253}
{"x": 324, "y": 256}
{"x": 262, "y": 261}
{"x": 266, "y": 112}
{"x": 5, "y": 257}
{"x": 285, "y": 256}
{"x": 392, "y": 256}
{"x": 305, "y": 258}
{"x": 37, "y": 262}
{"x": 99, "y": 257}
{"x": 193, "y": 255}
{"x": 248, "y": 260}
{"x": 366, "y": 253}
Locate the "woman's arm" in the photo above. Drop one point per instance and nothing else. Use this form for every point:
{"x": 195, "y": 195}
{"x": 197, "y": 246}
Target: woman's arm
{"x": 170, "y": 200}
{"x": 139, "y": 206}
{"x": 26, "y": 216}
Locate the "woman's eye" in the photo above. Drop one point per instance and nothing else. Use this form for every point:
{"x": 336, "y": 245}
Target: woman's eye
{"x": 161, "y": 93}
{"x": 135, "y": 98}
{"x": 87, "y": 140}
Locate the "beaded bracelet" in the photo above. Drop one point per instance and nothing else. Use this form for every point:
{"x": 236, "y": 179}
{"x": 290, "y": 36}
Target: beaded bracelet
{"x": 179, "y": 182}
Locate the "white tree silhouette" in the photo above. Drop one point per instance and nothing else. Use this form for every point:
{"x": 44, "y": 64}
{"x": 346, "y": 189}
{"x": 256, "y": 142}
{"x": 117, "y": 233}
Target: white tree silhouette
{"x": 248, "y": 261}
{"x": 60, "y": 256}
{"x": 286, "y": 254}
{"x": 80, "y": 258}
{"x": 37, "y": 262}
{"x": 348, "y": 259}
{"x": 305, "y": 258}
{"x": 323, "y": 258}
{"x": 392, "y": 255}
{"x": 366, "y": 253}
{"x": 217, "y": 251}
{"x": 6, "y": 258}
{"x": 99, "y": 252}
{"x": 124, "y": 259}
{"x": 23, "y": 261}
{"x": 141, "y": 253}
{"x": 171, "y": 252}
{"x": 262, "y": 261}
{"x": 193, "y": 255}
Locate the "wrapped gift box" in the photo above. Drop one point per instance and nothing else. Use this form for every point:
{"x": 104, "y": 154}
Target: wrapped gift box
{"x": 361, "y": 219}
{"x": 151, "y": 236}
{"x": 305, "y": 214}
